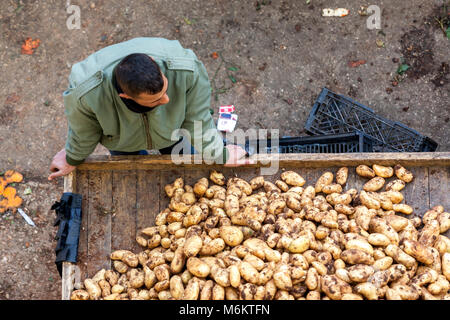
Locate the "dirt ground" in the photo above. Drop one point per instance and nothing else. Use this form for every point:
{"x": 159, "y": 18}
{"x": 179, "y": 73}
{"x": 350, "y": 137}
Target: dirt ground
{"x": 281, "y": 54}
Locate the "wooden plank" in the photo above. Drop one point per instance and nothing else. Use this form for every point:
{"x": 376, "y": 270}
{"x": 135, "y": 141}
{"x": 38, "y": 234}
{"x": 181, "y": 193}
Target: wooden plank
{"x": 439, "y": 186}
{"x": 148, "y": 194}
{"x": 99, "y": 222}
{"x": 68, "y": 269}
{"x": 123, "y": 224}
{"x": 416, "y": 192}
{"x": 410, "y": 159}
{"x": 82, "y": 187}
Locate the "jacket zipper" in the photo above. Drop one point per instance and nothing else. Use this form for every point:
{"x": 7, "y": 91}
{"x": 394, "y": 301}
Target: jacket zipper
{"x": 147, "y": 132}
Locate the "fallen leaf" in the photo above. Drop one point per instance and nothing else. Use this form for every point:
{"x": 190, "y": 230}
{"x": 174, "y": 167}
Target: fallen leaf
{"x": 214, "y": 55}
{"x": 29, "y": 45}
{"x": 405, "y": 109}
{"x": 356, "y": 63}
{"x": 403, "y": 68}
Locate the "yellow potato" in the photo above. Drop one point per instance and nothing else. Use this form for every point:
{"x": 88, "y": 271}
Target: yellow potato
{"x": 293, "y": 178}
{"x": 257, "y": 182}
{"x": 324, "y": 180}
{"x": 332, "y": 188}
{"x": 217, "y": 177}
{"x": 299, "y": 245}
{"x": 382, "y": 171}
{"x": 79, "y": 295}
{"x": 396, "y": 185}
{"x": 231, "y": 235}
{"x": 365, "y": 171}
{"x": 200, "y": 188}
{"x": 403, "y": 208}
{"x": 248, "y": 272}
{"x": 403, "y": 174}
{"x": 342, "y": 176}
{"x": 374, "y": 184}
{"x": 94, "y": 290}
{"x": 213, "y": 247}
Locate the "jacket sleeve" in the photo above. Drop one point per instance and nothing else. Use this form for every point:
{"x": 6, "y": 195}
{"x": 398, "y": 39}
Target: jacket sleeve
{"x": 199, "y": 121}
{"x": 84, "y": 131}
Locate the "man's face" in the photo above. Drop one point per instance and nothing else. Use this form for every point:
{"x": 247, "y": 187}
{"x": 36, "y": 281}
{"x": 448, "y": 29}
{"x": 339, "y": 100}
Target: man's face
{"x": 151, "y": 100}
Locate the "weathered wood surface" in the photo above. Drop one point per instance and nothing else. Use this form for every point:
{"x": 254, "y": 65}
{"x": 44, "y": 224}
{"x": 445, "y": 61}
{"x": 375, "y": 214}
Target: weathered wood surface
{"x": 118, "y": 203}
{"x": 262, "y": 160}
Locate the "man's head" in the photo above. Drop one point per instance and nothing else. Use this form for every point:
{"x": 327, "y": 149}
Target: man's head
{"x": 141, "y": 80}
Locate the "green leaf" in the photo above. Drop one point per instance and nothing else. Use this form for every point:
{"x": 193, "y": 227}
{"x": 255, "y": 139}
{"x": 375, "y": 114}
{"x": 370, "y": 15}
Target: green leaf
{"x": 233, "y": 69}
{"x": 308, "y": 1}
{"x": 187, "y": 21}
{"x": 448, "y": 32}
{"x": 27, "y": 191}
{"x": 402, "y": 68}
{"x": 233, "y": 79}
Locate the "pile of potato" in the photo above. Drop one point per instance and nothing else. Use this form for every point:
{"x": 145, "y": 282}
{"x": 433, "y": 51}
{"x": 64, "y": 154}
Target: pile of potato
{"x": 259, "y": 240}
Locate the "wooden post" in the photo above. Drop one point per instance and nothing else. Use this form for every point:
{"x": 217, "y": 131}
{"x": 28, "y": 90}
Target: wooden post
{"x": 69, "y": 270}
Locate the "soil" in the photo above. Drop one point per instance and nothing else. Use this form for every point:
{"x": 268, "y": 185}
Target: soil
{"x": 278, "y": 56}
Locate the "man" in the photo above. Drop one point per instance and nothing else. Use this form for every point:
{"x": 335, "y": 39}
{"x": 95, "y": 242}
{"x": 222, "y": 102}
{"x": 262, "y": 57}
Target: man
{"x": 132, "y": 96}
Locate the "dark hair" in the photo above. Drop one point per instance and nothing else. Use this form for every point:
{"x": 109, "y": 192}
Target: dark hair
{"x": 138, "y": 73}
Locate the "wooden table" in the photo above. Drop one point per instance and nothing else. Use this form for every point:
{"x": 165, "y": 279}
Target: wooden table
{"x": 123, "y": 194}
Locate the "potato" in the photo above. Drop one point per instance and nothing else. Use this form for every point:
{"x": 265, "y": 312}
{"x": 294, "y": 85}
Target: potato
{"x": 94, "y": 290}
{"x": 396, "y": 185}
{"x": 324, "y": 180}
{"x": 374, "y": 184}
{"x": 334, "y": 287}
{"x": 400, "y": 256}
{"x": 444, "y": 221}
{"x": 282, "y": 278}
{"x": 332, "y": 188}
{"x": 429, "y": 233}
{"x": 299, "y": 245}
{"x": 200, "y": 188}
{"x": 418, "y": 251}
{"x": 382, "y": 263}
{"x": 79, "y": 295}
{"x": 403, "y": 208}
{"x": 192, "y": 290}
{"x": 378, "y": 239}
{"x": 382, "y": 171}
{"x": 197, "y": 267}
{"x": 368, "y": 201}
{"x": 403, "y": 174}
{"x": 342, "y": 175}
{"x": 178, "y": 261}
{"x": 213, "y": 247}
{"x": 293, "y": 179}
{"x": 446, "y": 265}
{"x": 248, "y": 272}
{"x": 365, "y": 171}
{"x": 360, "y": 272}
{"x": 137, "y": 278}
{"x": 192, "y": 246}
{"x": 356, "y": 256}
{"x": 368, "y": 290}
{"x": 217, "y": 177}
{"x": 231, "y": 235}
{"x": 360, "y": 244}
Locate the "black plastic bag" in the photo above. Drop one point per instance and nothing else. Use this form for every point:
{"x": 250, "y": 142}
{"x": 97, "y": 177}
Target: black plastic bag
{"x": 68, "y": 217}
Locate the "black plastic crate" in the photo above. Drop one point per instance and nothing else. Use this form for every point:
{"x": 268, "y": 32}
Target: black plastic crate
{"x": 336, "y": 143}
{"x": 334, "y": 113}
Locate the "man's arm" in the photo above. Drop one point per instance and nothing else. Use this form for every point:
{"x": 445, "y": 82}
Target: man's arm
{"x": 84, "y": 133}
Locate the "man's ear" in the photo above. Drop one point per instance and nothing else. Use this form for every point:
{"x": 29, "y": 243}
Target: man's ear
{"x": 124, "y": 95}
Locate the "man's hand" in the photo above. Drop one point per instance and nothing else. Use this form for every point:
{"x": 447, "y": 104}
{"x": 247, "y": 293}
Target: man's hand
{"x": 59, "y": 165}
{"x": 237, "y": 156}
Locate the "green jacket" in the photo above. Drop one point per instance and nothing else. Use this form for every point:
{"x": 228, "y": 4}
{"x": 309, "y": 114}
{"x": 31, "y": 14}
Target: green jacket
{"x": 96, "y": 113}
